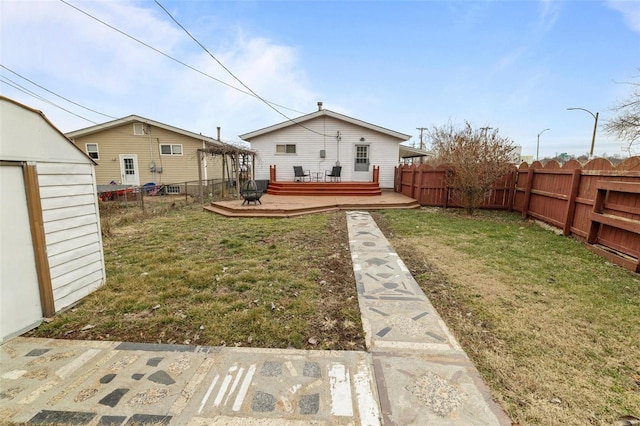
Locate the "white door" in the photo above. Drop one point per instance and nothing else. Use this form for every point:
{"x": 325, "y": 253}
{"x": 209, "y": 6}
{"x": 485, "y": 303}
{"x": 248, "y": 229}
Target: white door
{"x": 20, "y": 307}
{"x": 129, "y": 169}
{"x": 361, "y": 164}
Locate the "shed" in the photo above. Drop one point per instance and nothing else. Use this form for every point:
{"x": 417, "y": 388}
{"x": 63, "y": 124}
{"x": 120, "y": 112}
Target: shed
{"x": 51, "y": 252}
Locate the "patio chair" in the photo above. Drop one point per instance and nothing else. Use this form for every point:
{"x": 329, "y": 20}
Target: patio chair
{"x": 300, "y": 174}
{"x": 334, "y": 174}
{"x": 250, "y": 193}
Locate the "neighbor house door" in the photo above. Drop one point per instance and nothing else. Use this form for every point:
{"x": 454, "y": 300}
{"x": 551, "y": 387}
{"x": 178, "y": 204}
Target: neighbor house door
{"x": 361, "y": 164}
{"x": 129, "y": 169}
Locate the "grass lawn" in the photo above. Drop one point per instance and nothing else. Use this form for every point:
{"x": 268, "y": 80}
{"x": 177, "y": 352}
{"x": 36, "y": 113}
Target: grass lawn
{"x": 553, "y": 328}
{"x": 192, "y": 277}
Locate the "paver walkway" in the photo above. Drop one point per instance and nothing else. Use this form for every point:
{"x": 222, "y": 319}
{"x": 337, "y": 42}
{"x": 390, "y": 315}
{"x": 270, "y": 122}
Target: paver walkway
{"x": 414, "y": 372}
{"x": 422, "y": 374}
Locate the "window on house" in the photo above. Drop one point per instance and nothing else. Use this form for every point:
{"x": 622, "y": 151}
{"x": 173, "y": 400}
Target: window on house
{"x": 138, "y": 129}
{"x": 92, "y": 150}
{"x": 286, "y": 149}
{"x": 171, "y": 149}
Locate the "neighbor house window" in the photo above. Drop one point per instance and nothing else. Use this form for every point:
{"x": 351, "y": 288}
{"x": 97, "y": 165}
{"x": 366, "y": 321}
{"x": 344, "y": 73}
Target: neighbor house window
{"x": 286, "y": 149}
{"x": 92, "y": 150}
{"x": 171, "y": 149}
{"x": 138, "y": 129}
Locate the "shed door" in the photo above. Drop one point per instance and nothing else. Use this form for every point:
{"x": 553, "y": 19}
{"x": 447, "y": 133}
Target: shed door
{"x": 20, "y": 307}
{"x": 129, "y": 169}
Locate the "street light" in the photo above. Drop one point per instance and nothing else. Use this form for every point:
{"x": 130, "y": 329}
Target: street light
{"x": 538, "y": 146}
{"x": 595, "y": 127}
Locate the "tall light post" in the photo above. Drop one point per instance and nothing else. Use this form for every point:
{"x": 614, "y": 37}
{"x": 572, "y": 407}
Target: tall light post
{"x": 595, "y": 127}
{"x": 538, "y": 146}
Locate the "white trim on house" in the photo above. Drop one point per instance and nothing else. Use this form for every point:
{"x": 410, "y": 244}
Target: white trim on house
{"x": 95, "y": 151}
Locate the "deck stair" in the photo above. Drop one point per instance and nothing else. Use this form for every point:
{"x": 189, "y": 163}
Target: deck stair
{"x": 288, "y": 206}
{"x": 324, "y": 188}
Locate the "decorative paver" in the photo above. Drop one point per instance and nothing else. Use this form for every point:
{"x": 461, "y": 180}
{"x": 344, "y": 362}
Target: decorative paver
{"x": 423, "y": 375}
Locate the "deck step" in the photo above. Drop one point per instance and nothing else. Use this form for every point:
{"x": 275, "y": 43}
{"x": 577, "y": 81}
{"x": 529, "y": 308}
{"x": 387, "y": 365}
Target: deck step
{"x": 324, "y": 188}
{"x": 237, "y": 210}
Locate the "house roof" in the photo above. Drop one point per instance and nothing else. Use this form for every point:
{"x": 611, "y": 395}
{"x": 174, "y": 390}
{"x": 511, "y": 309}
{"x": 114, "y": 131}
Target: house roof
{"x": 326, "y": 113}
{"x": 44, "y": 117}
{"x": 138, "y": 119}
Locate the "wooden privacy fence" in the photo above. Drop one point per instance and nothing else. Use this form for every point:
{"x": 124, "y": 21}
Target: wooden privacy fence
{"x": 596, "y": 202}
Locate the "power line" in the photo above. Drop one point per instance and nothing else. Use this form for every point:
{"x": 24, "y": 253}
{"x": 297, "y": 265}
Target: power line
{"x": 231, "y": 73}
{"x": 24, "y": 90}
{"x": 55, "y": 94}
{"x": 166, "y": 55}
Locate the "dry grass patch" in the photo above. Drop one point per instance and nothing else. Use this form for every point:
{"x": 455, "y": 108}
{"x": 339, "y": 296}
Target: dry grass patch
{"x": 552, "y": 328}
{"x": 192, "y": 277}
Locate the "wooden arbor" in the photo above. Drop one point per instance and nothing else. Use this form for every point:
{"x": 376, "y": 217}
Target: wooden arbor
{"x": 233, "y": 156}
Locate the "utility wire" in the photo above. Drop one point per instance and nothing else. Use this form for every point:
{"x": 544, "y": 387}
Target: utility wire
{"x": 55, "y": 94}
{"x": 232, "y": 74}
{"x": 23, "y": 89}
{"x": 166, "y": 55}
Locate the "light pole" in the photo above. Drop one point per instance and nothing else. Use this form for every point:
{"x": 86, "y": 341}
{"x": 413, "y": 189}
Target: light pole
{"x": 595, "y": 127}
{"x": 538, "y": 146}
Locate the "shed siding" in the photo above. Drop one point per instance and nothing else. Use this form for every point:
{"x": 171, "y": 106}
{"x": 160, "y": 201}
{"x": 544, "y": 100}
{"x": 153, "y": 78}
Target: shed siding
{"x": 72, "y": 230}
{"x": 384, "y": 149}
{"x": 175, "y": 168}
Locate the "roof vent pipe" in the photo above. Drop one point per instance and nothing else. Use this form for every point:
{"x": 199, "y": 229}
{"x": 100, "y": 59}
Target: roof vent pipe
{"x": 319, "y": 106}
{"x": 218, "y": 132}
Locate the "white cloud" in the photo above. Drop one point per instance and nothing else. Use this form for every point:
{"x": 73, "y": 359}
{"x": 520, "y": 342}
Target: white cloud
{"x": 630, "y": 10}
{"x": 79, "y": 58}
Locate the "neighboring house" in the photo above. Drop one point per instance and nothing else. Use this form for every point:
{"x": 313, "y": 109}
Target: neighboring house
{"x": 50, "y": 241}
{"x": 323, "y": 139}
{"x": 135, "y": 150}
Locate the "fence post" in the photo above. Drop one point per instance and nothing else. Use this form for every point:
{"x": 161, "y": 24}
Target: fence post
{"x": 571, "y": 207}
{"x": 512, "y": 191}
{"x": 413, "y": 183}
{"x": 527, "y": 192}
{"x": 446, "y": 188}
{"x": 420, "y": 171}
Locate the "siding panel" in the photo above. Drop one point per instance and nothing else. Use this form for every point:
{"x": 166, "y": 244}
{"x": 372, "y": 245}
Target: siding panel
{"x": 74, "y": 222}
{"x": 72, "y": 230}
{"x": 76, "y": 253}
{"x": 64, "y": 246}
{"x": 70, "y": 234}
{"x": 73, "y": 265}
{"x": 69, "y": 212}
{"x": 65, "y": 191}
{"x": 74, "y": 200}
{"x": 85, "y": 286}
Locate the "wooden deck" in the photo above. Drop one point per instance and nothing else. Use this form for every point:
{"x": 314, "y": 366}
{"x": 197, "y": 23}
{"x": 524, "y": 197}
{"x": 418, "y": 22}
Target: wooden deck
{"x": 296, "y": 205}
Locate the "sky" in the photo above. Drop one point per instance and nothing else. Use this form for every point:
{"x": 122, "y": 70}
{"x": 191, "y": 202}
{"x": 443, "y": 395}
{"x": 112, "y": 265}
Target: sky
{"x": 513, "y": 65}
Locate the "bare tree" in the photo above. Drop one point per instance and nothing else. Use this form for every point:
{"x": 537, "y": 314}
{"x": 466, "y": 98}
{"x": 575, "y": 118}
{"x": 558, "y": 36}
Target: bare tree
{"x": 477, "y": 156}
{"x": 626, "y": 124}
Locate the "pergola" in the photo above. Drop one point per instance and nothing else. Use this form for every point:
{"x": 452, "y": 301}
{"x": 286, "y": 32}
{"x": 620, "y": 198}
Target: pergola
{"x": 231, "y": 155}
